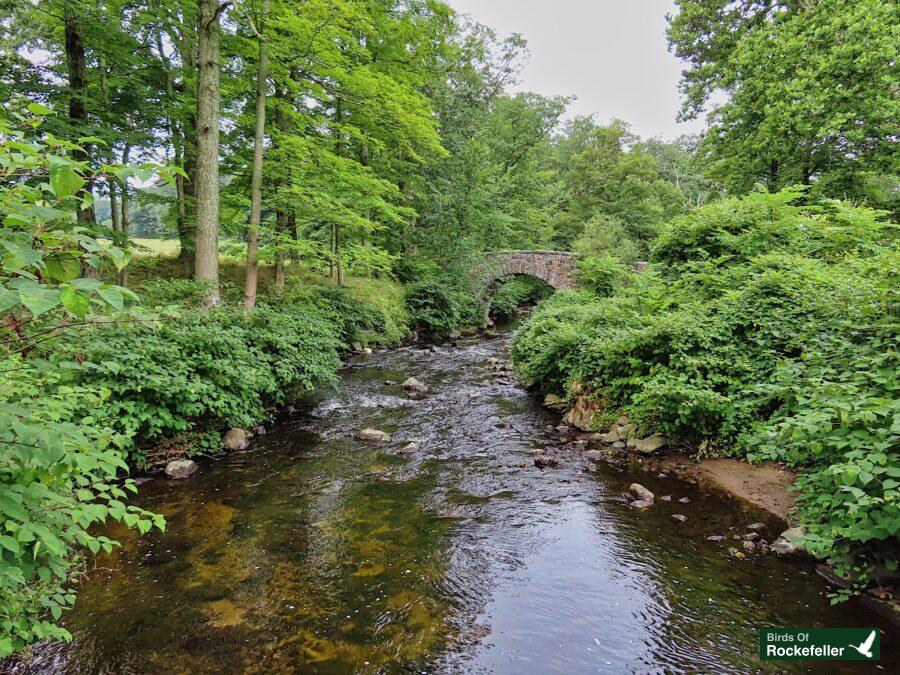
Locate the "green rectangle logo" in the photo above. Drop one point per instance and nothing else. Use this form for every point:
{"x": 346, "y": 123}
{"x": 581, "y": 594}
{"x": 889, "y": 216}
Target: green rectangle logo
{"x": 819, "y": 644}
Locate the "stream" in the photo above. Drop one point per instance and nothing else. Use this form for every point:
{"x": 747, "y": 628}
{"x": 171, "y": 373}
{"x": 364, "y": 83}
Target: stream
{"x": 313, "y": 552}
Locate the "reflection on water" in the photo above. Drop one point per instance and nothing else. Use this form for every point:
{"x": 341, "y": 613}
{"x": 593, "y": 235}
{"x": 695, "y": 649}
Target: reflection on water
{"x": 312, "y": 552}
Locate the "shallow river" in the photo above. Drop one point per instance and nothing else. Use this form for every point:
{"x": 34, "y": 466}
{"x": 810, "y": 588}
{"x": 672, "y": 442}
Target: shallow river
{"x": 312, "y": 552}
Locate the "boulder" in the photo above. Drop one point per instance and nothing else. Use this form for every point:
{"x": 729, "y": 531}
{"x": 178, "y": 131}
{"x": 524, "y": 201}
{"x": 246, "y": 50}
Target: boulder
{"x": 640, "y": 492}
{"x": 554, "y": 402}
{"x": 647, "y": 445}
{"x": 543, "y": 461}
{"x": 374, "y": 436}
{"x": 618, "y": 445}
{"x": 787, "y": 543}
{"x": 579, "y": 417}
{"x": 181, "y": 468}
{"x": 236, "y": 439}
{"x": 356, "y": 346}
{"x": 414, "y": 384}
{"x": 611, "y": 436}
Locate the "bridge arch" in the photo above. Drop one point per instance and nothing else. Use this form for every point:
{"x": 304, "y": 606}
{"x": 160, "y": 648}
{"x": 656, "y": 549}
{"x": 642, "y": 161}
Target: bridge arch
{"x": 556, "y": 268}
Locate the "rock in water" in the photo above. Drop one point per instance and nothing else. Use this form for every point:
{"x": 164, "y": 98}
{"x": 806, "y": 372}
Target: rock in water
{"x": 647, "y": 445}
{"x": 641, "y": 492}
{"x": 554, "y": 402}
{"x": 410, "y": 448}
{"x": 236, "y": 439}
{"x": 181, "y": 468}
{"x": 787, "y": 545}
{"x": 642, "y": 504}
{"x": 374, "y": 436}
{"x": 413, "y": 384}
{"x": 680, "y": 517}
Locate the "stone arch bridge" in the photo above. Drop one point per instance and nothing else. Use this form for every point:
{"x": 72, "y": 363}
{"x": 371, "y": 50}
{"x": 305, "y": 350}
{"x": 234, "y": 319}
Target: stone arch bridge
{"x": 557, "y": 268}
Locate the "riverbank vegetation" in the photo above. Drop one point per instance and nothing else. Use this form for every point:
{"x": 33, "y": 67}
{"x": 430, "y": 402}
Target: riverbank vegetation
{"x": 335, "y": 171}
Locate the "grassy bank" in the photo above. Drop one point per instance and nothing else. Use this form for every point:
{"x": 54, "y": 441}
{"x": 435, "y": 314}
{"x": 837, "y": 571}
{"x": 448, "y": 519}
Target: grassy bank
{"x": 766, "y": 329}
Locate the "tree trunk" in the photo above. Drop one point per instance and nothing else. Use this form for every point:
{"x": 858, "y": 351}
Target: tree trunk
{"x": 256, "y": 179}
{"x": 114, "y": 202}
{"x": 76, "y": 65}
{"x": 206, "y": 266}
{"x": 339, "y": 262}
{"x": 279, "y": 261}
{"x": 125, "y": 220}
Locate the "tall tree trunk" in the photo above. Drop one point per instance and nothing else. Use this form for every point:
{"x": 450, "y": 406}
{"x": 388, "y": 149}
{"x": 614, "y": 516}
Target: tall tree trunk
{"x": 76, "y": 65}
{"x": 256, "y": 179}
{"x": 206, "y": 267}
{"x": 114, "y": 201}
{"x": 339, "y": 262}
{"x": 125, "y": 220}
{"x": 280, "y": 221}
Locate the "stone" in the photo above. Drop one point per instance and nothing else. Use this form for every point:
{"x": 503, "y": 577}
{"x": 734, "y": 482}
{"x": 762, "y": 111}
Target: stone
{"x": 647, "y": 445}
{"x": 414, "y": 384}
{"x": 374, "y": 436}
{"x": 716, "y": 537}
{"x": 751, "y": 536}
{"x": 642, "y": 504}
{"x": 618, "y": 445}
{"x": 543, "y": 461}
{"x": 579, "y": 417}
{"x": 410, "y": 448}
{"x": 554, "y": 402}
{"x": 737, "y": 554}
{"x": 236, "y": 439}
{"x": 493, "y": 361}
{"x": 685, "y": 500}
{"x": 563, "y": 429}
{"x": 680, "y": 517}
{"x": 640, "y": 491}
{"x": 608, "y": 437}
{"x": 181, "y": 468}
{"x": 367, "y": 350}
{"x": 357, "y": 346}
{"x": 786, "y": 545}
{"x": 756, "y": 526}
{"x": 415, "y": 395}
{"x": 260, "y": 431}
{"x": 594, "y": 455}
{"x": 748, "y": 545}
{"x": 666, "y": 498}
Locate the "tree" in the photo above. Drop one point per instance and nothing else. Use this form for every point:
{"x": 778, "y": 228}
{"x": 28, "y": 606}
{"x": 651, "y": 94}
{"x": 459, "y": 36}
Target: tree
{"x": 811, "y": 89}
{"x": 258, "y": 140}
{"x": 207, "y": 175}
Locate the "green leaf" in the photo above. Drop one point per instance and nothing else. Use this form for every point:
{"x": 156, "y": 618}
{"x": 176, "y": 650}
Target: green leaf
{"x": 62, "y": 267}
{"x": 65, "y": 181}
{"x": 76, "y": 302}
{"x": 38, "y": 109}
{"x": 112, "y": 296}
{"x": 38, "y": 299}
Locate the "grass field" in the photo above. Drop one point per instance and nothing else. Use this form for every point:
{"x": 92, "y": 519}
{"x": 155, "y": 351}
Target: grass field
{"x": 156, "y": 247}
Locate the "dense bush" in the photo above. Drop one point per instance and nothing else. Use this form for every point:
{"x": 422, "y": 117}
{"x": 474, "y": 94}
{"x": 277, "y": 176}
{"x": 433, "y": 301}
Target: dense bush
{"x": 767, "y": 328}
{"x": 440, "y": 304}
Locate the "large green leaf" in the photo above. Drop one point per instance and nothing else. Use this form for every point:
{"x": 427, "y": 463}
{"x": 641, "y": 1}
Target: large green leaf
{"x": 112, "y": 296}
{"x": 76, "y": 302}
{"x": 38, "y": 299}
{"x": 62, "y": 267}
{"x": 65, "y": 181}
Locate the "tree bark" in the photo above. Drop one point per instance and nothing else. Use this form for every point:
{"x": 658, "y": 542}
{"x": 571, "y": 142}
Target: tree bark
{"x": 76, "y": 66}
{"x": 206, "y": 267}
{"x": 256, "y": 178}
{"x": 125, "y": 220}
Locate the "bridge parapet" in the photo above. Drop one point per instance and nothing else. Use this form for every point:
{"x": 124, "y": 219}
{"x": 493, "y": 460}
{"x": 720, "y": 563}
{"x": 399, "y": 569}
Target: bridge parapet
{"x": 555, "y": 267}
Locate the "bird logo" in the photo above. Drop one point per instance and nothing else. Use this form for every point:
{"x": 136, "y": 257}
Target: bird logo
{"x": 865, "y": 648}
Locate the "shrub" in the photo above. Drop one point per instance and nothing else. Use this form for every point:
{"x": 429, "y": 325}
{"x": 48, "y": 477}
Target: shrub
{"x": 518, "y": 292}
{"x": 766, "y": 328}
{"x": 439, "y": 304}
{"x": 603, "y": 276}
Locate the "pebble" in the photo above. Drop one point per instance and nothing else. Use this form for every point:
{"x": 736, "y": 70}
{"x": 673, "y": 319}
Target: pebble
{"x": 679, "y": 517}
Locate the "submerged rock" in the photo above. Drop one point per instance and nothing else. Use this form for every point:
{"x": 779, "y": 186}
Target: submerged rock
{"x": 544, "y": 461}
{"x": 680, "y": 517}
{"x": 413, "y": 384}
{"x": 594, "y": 455}
{"x": 642, "y": 504}
{"x": 554, "y": 402}
{"x": 641, "y": 492}
{"x": 181, "y": 468}
{"x": 410, "y": 448}
{"x": 716, "y": 537}
{"x": 787, "y": 543}
{"x": 236, "y": 439}
{"x": 374, "y": 436}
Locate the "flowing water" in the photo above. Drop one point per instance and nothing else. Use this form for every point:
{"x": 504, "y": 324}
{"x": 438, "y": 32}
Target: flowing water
{"x": 312, "y": 552}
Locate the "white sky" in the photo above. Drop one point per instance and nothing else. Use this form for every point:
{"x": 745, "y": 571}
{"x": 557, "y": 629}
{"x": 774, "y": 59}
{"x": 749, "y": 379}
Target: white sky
{"x": 611, "y": 54}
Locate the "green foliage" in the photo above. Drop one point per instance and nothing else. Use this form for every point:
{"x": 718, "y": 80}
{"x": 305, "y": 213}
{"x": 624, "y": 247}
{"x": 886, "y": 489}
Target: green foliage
{"x": 602, "y": 276}
{"x": 518, "y": 292}
{"x": 60, "y": 465}
{"x": 766, "y": 328}
{"x": 811, "y": 91}
{"x": 439, "y": 304}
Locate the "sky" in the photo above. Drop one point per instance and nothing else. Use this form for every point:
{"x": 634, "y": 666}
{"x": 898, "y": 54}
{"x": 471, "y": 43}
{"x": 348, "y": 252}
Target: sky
{"x": 611, "y": 54}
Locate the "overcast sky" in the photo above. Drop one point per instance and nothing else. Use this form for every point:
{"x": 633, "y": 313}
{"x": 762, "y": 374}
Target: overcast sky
{"x": 610, "y": 54}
